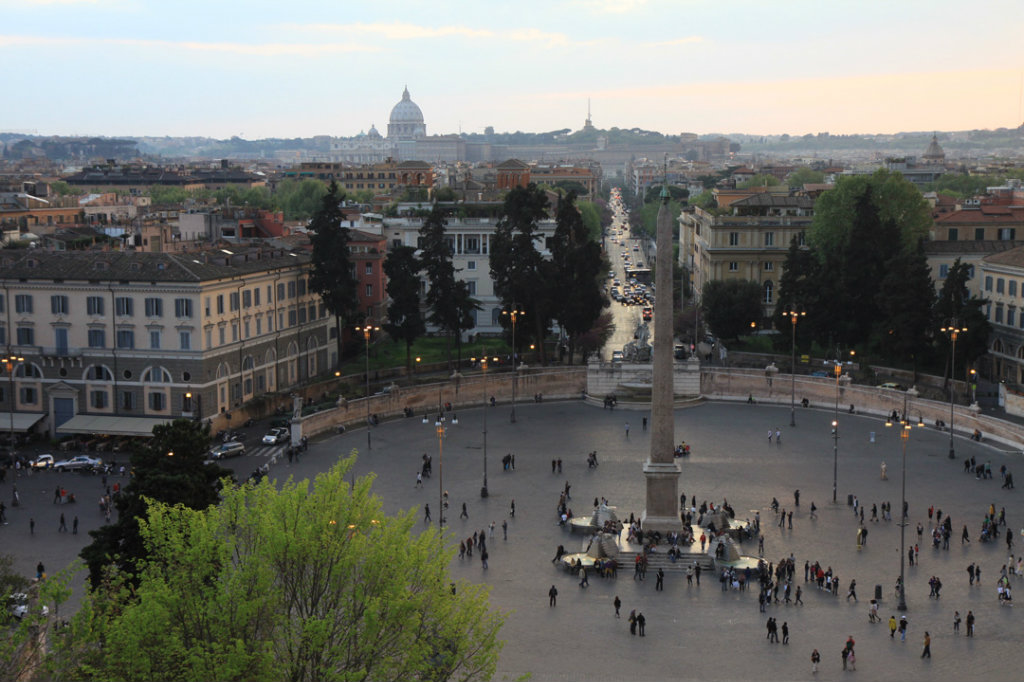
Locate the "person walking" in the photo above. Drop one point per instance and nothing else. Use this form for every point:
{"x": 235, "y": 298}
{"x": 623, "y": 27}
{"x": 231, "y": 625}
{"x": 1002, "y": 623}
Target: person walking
{"x": 846, "y": 655}
{"x": 618, "y": 604}
{"x": 426, "y": 513}
{"x": 512, "y": 508}
{"x": 464, "y": 514}
{"x": 483, "y": 558}
{"x": 892, "y": 627}
{"x": 632, "y": 622}
{"x": 785, "y": 632}
{"x": 74, "y": 525}
{"x": 970, "y": 623}
{"x": 853, "y": 591}
{"x": 659, "y": 582}
{"x": 40, "y": 571}
{"x": 815, "y": 660}
{"x": 796, "y": 498}
{"x": 63, "y": 527}
{"x": 584, "y": 582}
{"x": 641, "y": 622}
{"x": 927, "y": 653}
{"x": 644, "y": 423}
{"x": 552, "y": 596}
{"x": 799, "y": 596}
{"x": 627, "y": 429}
{"x": 31, "y": 525}
{"x": 903, "y": 628}
{"x": 504, "y": 529}
{"x": 956, "y": 622}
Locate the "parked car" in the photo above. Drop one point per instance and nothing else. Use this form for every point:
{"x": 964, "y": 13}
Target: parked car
{"x": 42, "y": 462}
{"x": 893, "y": 386}
{"x": 275, "y": 436}
{"x": 229, "y": 449}
{"x": 617, "y": 356}
{"x": 79, "y": 463}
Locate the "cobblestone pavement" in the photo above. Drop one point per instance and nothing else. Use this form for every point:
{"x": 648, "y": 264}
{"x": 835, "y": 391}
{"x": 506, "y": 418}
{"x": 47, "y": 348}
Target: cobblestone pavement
{"x": 692, "y": 632}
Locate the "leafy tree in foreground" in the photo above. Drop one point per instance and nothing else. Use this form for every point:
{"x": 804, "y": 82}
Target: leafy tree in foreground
{"x": 404, "y": 320}
{"x": 309, "y": 582}
{"x": 730, "y": 306}
{"x": 331, "y": 276}
{"x": 168, "y": 468}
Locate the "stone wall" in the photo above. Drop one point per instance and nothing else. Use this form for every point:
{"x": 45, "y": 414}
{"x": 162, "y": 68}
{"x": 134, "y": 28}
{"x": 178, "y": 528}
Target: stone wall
{"x": 624, "y": 379}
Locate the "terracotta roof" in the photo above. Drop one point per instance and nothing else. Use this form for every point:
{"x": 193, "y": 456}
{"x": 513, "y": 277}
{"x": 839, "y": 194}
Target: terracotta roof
{"x": 988, "y": 246}
{"x": 513, "y": 164}
{"x": 766, "y": 200}
{"x": 1013, "y": 257}
{"x": 987, "y": 214}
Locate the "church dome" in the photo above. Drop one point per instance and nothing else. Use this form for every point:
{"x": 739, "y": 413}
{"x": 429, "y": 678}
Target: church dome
{"x": 935, "y": 151}
{"x": 406, "y": 119}
{"x": 373, "y": 132}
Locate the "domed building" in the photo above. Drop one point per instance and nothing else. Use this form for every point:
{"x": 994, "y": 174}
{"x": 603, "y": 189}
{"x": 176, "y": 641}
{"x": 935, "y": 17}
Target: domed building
{"x": 406, "y": 122}
{"x": 935, "y": 153}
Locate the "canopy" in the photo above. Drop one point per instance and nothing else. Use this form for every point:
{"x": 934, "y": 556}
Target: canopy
{"x": 111, "y": 426}
{"x": 23, "y": 421}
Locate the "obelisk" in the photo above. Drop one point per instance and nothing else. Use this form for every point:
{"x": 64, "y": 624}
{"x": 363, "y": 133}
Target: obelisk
{"x": 660, "y": 469}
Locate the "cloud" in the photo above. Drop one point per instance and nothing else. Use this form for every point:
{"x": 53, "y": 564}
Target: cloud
{"x": 247, "y": 49}
{"x": 405, "y": 31}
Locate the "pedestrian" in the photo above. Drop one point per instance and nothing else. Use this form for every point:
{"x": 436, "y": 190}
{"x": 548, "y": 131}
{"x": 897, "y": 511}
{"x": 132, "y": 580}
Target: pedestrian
{"x": 40, "y": 571}
{"x": 632, "y": 622}
{"x": 927, "y": 653}
{"x": 815, "y": 659}
{"x": 785, "y": 632}
{"x": 903, "y": 628}
{"x": 778, "y": 439}
{"x": 956, "y": 622}
{"x": 627, "y": 429}
{"x": 74, "y": 525}
{"x": 770, "y": 433}
{"x": 970, "y": 573}
{"x": 56, "y": 495}
{"x": 491, "y": 530}
{"x": 796, "y": 498}
{"x": 464, "y": 514}
{"x": 512, "y": 509}
{"x": 791, "y": 520}
{"x": 965, "y": 536}
{"x": 910, "y": 555}
{"x": 552, "y": 466}
{"x": 618, "y": 604}
{"x": 853, "y": 591}
{"x": 892, "y": 627}
{"x": 799, "y": 594}
{"x": 426, "y": 513}
{"x": 504, "y": 529}
{"x": 63, "y": 527}
{"x": 689, "y": 575}
{"x": 552, "y": 595}
{"x": 419, "y": 479}
{"x": 845, "y": 654}
{"x": 641, "y": 622}
{"x": 659, "y": 583}
{"x": 31, "y": 525}
{"x": 760, "y": 545}
{"x": 851, "y": 659}
{"x": 697, "y": 572}
{"x": 970, "y": 623}
{"x": 644, "y": 422}
{"x": 584, "y": 582}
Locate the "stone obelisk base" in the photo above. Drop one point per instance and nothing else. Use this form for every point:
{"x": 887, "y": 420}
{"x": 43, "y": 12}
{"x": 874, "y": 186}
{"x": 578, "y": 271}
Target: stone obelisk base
{"x": 660, "y": 512}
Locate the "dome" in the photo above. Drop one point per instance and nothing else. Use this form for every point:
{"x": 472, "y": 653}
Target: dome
{"x": 373, "y": 132}
{"x": 406, "y": 122}
{"x": 406, "y": 111}
{"x": 935, "y": 151}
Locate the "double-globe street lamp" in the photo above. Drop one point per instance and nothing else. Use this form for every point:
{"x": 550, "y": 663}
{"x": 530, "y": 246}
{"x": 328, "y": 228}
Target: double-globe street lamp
{"x": 513, "y": 315}
{"x": 905, "y": 429}
{"x": 838, "y": 367}
{"x": 483, "y": 367}
{"x": 367, "y": 329}
{"x": 794, "y": 317}
{"x": 952, "y": 329}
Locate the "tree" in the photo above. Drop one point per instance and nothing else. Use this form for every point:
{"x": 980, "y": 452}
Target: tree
{"x": 443, "y": 297}
{"x": 171, "y": 468}
{"x": 805, "y": 176}
{"x": 300, "y": 199}
{"x": 761, "y": 180}
{"x": 309, "y": 582}
{"x": 595, "y": 338}
{"x": 331, "y": 274}
{"x": 730, "y": 306}
{"x": 906, "y": 306}
{"x": 578, "y": 265}
{"x": 405, "y": 323}
{"x": 522, "y": 277}
{"x": 163, "y": 195}
{"x": 955, "y": 302}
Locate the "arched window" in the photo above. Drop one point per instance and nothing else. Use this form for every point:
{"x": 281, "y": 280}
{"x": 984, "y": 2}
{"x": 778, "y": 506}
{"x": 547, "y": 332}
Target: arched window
{"x": 247, "y": 364}
{"x": 98, "y": 373}
{"x": 28, "y": 369}
{"x": 769, "y": 291}
{"x": 156, "y": 375}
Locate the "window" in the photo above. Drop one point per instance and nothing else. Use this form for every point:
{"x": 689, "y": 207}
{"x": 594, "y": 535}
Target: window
{"x": 769, "y": 290}
{"x": 154, "y": 307}
{"x": 734, "y": 239}
{"x": 233, "y": 302}
{"x": 156, "y": 401}
{"x": 270, "y": 322}
{"x": 23, "y": 303}
{"x": 369, "y": 291}
{"x": 125, "y": 339}
{"x": 943, "y": 271}
{"x": 292, "y": 318}
{"x": 280, "y": 291}
{"x": 183, "y": 307}
{"x": 98, "y": 373}
{"x": 734, "y": 266}
{"x": 302, "y": 286}
{"x": 127, "y": 400}
{"x": 801, "y": 239}
{"x": 234, "y": 332}
{"x": 124, "y": 306}
{"x": 59, "y": 304}
{"x": 979, "y": 234}
{"x": 769, "y": 266}
{"x": 247, "y": 298}
{"x": 1011, "y": 316}
{"x": 94, "y": 305}
{"x": 1007, "y": 233}
{"x": 291, "y": 289}
{"x": 999, "y": 313}
{"x": 312, "y": 312}
{"x": 769, "y": 239}
{"x": 245, "y": 329}
{"x": 98, "y": 399}
{"x": 988, "y": 282}
{"x": 471, "y": 265}
{"x": 470, "y": 287}
{"x": 220, "y": 335}
{"x": 97, "y": 338}
{"x": 26, "y": 336}
{"x": 3, "y": 336}
{"x": 154, "y": 339}
{"x": 206, "y": 305}
{"x": 302, "y": 314}
{"x": 1, "y": 304}
{"x": 256, "y": 296}
{"x": 1000, "y": 285}
{"x": 29, "y": 395}
{"x": 1012, "y": 287}
{"x": 220, "y": 304}
{"x": 953, "y": 234}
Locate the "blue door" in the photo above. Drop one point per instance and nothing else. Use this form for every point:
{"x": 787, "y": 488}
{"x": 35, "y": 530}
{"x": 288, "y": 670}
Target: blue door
{"x": 63, "y": 410}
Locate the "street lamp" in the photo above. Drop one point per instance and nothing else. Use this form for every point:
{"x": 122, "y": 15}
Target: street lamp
{"x": 904, "y": 437}
{"x": 483, "y": 367}
{"x": 513, "y": 315}
{"x": 974, "y": 386}
{"x": 367, "y": 329}
{"x": 10, "y": 363}
{"x": 953, "y": 330}
{"x": 439, "y": 425}
{"x": 794, "y": 317}
{"x": 835, "y": 434}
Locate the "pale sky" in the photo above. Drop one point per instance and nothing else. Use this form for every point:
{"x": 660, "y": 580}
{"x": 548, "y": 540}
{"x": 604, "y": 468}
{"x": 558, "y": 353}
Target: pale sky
{"x": 333, "y": 67}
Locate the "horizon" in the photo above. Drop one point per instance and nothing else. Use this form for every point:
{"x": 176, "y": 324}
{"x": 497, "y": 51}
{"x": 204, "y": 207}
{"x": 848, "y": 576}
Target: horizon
{"x": 137, "y": 68}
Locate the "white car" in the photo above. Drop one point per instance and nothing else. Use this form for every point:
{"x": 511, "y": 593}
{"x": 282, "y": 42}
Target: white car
{"x": 42, "y": 462}
{"x": 276, "y": 436}
{"x": 229, "y": 449}
{"x": 79, "y": 463}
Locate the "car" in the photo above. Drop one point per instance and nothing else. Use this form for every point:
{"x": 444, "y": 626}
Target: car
{"x": 42, "y": 462}
{"x": 79, "y": 463}
{"x": 819, "y": 373}
{"x": 230, "y": 449}
{"x": 276, "y": 436}
{"x": 648, "y": 314}
{"x": 617, "y": 356}
{"x": 892, "y": 385}
{"x": 17, "y": 605}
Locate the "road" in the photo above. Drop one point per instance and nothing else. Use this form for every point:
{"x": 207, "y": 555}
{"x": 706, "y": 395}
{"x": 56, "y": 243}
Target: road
{"x": 626, "y": 318}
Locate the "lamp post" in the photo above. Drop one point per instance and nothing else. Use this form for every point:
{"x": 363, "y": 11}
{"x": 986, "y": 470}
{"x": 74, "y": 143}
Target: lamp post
{"x": 794, "y": 317}
{"x": 905, "y": 428}
{"x": 367, "y": 329}
{"x": 953, "y": 330}
{"x": 483, "y": 367}
{"x": 973, "y": 378}
{"x": 835, "y": 435}
{"x": 513, "y": 315}
{"x": 10, "y": 364}
{"x": 439, "y": 425}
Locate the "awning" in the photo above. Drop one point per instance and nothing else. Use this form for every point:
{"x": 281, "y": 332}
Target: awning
{"x": 23, "y": 421}
{"x": 111, "y": 426}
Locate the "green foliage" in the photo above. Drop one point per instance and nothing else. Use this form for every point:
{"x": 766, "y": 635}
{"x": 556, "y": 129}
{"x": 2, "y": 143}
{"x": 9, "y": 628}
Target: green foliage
{"x": 63, "y": 189}
{"x": 955, "y": 306}
{"x": 170, "y": 468}
{"x": 404, "y": 320}
{"x": 963, "y": 185}
{"x": 906, "y": 308}
{"x": 309, "y": 582}
{"x": 761, "y": 180}
{"x": 300, "y": 199}
{"x": 592, "y": 219}
{"x": 253, "y": 197}
{"x": 444, "y": 194}
{"x": 159, "y": 194}
{"x": 678, "y": 194}
{"x": 730, "y": 306}
{"x": 705, "y": 200}
{"x": 572, "y": 186}
{"x": 331, "y": 274}
{"x": 647, "y": 217}
{"x": 805, "y": 176}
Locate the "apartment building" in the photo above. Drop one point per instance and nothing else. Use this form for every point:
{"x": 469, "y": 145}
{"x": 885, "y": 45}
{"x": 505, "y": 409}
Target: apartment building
{"x": 115, "y": 342}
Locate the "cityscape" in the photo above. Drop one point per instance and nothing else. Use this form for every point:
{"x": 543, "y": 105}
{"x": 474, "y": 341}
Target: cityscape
{"x": 261, "y": 364}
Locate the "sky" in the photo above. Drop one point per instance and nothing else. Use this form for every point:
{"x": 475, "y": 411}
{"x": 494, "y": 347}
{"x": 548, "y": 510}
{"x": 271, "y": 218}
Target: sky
{"x": 301, "y": 68}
